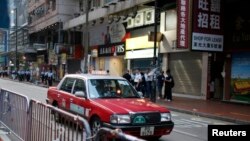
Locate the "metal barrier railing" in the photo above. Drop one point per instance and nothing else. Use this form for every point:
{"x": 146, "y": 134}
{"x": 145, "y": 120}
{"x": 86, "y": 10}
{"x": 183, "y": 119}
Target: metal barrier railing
{"x": 13, "y": 112}
{"x": 49, "y": 123}
{"x": 36, "y": 121}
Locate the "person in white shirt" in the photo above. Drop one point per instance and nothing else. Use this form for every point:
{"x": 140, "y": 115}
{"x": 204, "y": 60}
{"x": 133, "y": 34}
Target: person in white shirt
{"x": 137, "y": 79}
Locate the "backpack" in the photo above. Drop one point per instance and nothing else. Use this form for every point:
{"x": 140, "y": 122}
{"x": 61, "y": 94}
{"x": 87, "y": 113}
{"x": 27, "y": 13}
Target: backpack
{"x": 172, "y": 82}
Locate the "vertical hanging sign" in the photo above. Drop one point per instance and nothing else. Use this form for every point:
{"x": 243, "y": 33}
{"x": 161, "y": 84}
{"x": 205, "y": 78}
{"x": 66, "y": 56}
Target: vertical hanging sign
{"x": 182, "y": 23}
{"x": 207, "y": 20}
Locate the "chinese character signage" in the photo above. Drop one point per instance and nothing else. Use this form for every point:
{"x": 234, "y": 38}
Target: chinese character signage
{"x": 207, "y": 32}
{"x": 182, "y": 23}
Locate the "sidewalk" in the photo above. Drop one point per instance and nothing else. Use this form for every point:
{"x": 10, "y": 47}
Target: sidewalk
{"x": 232, "y": 112}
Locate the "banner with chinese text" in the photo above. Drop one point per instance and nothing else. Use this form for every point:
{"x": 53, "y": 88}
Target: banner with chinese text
{"x": 207, "y": 32}
{"x": 183, "y": 23}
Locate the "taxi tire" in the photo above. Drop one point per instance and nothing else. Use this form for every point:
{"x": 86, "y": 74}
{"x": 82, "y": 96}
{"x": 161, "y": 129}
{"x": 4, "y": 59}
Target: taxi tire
{"x": 57, "y": 116}
{"x": 95, "y": 125}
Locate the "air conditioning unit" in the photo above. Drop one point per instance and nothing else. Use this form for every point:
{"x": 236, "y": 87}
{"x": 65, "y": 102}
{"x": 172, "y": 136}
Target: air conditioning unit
{"x": 149, "y": 17}
{"x": 130, "y": 22}
{"x": 138, "y": 21}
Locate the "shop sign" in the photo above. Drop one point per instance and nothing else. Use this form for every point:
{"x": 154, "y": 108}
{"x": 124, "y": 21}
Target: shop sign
{"x": 240, "y": 77}
{"x": 141, "y": 42}
{"x": 183, "y": 23}
{"x": 207, "y": 32}
{"x": 111, "y": 50}
{"x": 143, "y": 53}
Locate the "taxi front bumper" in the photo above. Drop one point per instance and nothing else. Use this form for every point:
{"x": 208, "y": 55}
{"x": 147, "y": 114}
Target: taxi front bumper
{"x": 135, "y": 130}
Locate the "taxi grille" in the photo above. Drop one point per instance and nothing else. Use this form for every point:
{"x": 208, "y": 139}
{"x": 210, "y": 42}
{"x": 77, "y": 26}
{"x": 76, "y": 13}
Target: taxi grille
{"x": 150, "y": 118}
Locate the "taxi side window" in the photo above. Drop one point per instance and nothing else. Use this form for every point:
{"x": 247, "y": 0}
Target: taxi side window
{"x": 67, "y": 85}
{"x": 79, "y": 86}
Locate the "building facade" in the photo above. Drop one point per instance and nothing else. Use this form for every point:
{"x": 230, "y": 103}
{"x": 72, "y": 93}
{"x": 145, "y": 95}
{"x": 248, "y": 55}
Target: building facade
{"x": 53, "y": 44}
{"x": 203, "y": 42}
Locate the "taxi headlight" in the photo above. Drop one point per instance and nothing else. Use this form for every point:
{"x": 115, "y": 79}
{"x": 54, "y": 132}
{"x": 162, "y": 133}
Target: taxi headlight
{"x": 165, "y": 117}
{"x": 120, "y": 119}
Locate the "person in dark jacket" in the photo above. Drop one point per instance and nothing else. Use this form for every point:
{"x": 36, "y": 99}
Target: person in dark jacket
{"x": 168, "y": 86}
{"x": 160, "y": 82}
{"x": 127, "y": 76}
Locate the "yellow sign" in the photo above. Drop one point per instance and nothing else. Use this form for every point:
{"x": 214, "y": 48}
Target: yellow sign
{"x": 138, "y": 43}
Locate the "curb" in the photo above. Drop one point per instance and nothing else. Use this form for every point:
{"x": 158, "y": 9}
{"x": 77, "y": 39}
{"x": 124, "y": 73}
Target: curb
{"x": 228, "y": 119}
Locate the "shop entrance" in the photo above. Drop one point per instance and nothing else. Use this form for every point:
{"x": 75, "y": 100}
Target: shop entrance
{"x": 216, "y": 76}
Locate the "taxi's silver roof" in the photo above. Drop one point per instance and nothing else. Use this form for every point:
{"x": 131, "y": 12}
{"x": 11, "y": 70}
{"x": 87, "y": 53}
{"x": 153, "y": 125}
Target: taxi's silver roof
{"x": 93, "y": 76}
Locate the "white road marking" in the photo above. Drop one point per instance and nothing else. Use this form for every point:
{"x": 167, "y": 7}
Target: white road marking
{"x": 185, "y": 133}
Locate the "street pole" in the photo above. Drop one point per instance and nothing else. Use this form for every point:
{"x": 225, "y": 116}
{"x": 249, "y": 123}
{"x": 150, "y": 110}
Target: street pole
{"x": 16, "y": 60}
{"x": 86, "y": 38}
{"x": 153, "y": 98}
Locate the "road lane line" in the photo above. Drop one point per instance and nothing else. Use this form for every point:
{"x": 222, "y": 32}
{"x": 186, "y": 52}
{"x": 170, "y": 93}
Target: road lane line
{"x": 185, "y": 133}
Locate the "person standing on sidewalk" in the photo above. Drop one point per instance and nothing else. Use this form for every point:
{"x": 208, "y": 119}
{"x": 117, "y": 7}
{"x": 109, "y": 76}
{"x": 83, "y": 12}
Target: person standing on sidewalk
{"x": 50, "y": 78}
{"x": 169, "y": 82}
{"x": 127, "y": 76}
{"x": 149, "y": 79}
{"x": 137, "y": 80}
{"x": 160, "y": 82}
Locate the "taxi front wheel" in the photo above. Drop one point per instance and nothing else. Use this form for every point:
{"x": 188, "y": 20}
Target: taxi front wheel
{"x": 96, "y": 124}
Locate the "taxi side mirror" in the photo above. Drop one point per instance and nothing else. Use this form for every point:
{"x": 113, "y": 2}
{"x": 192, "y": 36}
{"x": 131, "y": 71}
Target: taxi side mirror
{"x": 80, "y": 94}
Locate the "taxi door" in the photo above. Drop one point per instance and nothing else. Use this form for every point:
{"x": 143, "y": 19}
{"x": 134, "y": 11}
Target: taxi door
{"x": 65, "y": 93}
{"x": 78, "y": 105}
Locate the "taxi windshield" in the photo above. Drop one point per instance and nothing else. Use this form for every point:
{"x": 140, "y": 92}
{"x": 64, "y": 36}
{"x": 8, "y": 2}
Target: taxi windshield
{"x": 111, "y": 88}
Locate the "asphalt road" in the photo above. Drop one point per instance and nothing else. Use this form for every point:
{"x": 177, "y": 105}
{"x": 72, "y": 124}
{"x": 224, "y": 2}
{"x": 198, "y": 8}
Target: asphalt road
{"x": 187, "y": 127}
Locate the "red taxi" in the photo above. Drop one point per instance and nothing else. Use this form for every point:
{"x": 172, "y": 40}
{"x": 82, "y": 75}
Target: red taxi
{"x": 108, "y": 101}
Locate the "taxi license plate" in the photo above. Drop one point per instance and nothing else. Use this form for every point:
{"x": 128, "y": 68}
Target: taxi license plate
{"x": 147, "y": 131}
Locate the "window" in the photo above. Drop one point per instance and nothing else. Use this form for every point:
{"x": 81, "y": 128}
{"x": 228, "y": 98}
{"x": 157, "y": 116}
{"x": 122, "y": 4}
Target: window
{"x": 67, "y": 85}
{"x": 79, "y": 86}
{"x": 111, "y": 88}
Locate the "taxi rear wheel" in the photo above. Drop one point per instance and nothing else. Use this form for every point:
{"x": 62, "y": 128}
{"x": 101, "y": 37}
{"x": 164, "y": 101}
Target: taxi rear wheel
{"x": 96, "y": 124}
{"x": 57, "y": 116}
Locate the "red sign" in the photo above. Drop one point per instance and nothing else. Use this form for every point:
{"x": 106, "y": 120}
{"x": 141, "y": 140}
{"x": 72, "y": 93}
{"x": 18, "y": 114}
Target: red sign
{"x": 182, "y": 23}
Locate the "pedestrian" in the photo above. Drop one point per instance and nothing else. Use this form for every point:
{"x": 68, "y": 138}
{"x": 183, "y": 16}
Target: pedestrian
{"x": 127, "y": 76}
{"x": 160, "y": 82}
{"x": 50, "y": 78}
{"x": 142, "y": 84}
{"x": 137, "y": 79}
{"x": 211, "y": 88}
{"x": 149, "y": 79}
{"x": 132, "y": 74}
{"x": 169, "y": 84}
